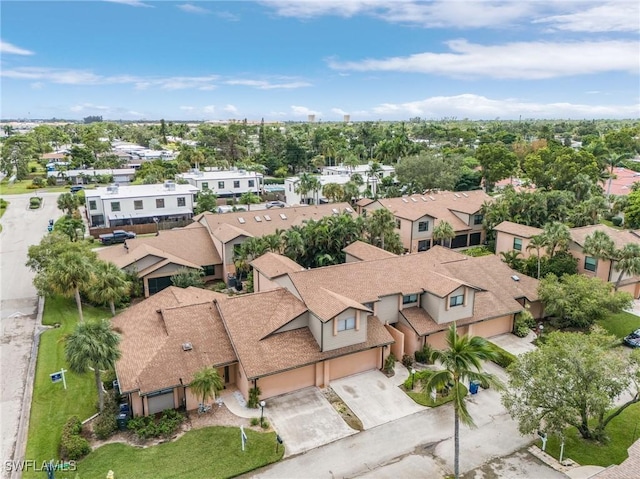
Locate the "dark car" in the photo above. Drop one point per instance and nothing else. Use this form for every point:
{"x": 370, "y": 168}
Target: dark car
{"x": 75, "y": 189}
{"x": 276, "y": 204}
{"x": 633, "y": 339}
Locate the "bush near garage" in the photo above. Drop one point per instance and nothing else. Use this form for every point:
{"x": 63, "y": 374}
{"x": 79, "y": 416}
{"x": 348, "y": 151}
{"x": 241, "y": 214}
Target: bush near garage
{"x": 73, "y": 446}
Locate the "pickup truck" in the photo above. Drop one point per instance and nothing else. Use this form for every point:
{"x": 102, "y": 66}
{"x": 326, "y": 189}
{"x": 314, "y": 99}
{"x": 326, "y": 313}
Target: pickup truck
{"x": 118, "y": 236}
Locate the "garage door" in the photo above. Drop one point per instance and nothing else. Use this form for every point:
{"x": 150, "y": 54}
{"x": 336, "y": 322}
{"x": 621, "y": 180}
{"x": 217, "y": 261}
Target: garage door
{"x": 493, "y": 327}
{"x": 286, "y": 382}
{"x": 161, "y": 402}
{"x": 354, "y": 363}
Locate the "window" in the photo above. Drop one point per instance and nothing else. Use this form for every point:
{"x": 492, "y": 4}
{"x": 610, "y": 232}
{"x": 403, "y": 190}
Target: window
{"x": 209, "y": 270}
{"x": 115, "y": 206}
{"x": 182, "y": 201}
{"x": 410, "y": 298}
{"x": 423, "y": 245}
{"x": 137, "y": 204}
{"x": 92, "y": 205}
{"x": 252, "y": 183}
{"x": 457, "y": 300}
{"x": 423, "y": 226}
{"x": 590, "y": 264}
{"x": 159, "y": 202}
{"x": 477, "y": 219}
{"x": 517, "y": 244}
{"x": 398, "y": 224}
{"x": 220, "y": 185}
{"x": 474, "y": 239}
{"x": 236, "y": 184}
{"x": 205, "y": 185}
{"x": 345, "y": 324}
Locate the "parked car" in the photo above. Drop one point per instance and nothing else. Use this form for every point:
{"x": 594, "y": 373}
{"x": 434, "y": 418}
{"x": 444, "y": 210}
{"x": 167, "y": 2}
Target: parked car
{"x": 633, "y": 339}
{"x": 118, "y": 236}
{"x": 276, "y": 204}
{"x": 76, "y": 188}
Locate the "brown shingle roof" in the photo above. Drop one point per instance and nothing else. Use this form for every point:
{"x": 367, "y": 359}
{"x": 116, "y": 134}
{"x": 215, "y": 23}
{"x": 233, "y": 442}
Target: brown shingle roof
{"x": 366, "y": 252}
{"x": 517, "y": 229}
{"x": 619, "y": 237}
{"x": 251, "y": 227}
{"x": 628, "y": 469}
{"x": 152, "y": 334}
{"x": 441, "y": 207}
{"x": 171, "y": 243}
{"x": 247, "y": 317}
{"x": 273, "y": 265}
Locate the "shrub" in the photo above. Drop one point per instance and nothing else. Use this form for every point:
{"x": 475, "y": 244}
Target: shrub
{"x": 389, "y": 363}
{"x": 254, "y": 397}
{"x": 105, "y": 425}
{"x": 51, "y": 181}
{"x": 34, "y": 202}
{"x": 265, "y": 424}
{"x": 424, "y": 355}
{"x": 523, "y": 323}
{"x": 38, "y": 182}
{"x": 503, "y": 358}
{"x": 407, "y": 361}
{"x": 72, "y": 445}
{"x": 108, "y": 378}
{"x": 617, "y": 221}
{"x": 148, "y": 426}
{"x": 255, "y": 421}
{"x": 476, "y": 251}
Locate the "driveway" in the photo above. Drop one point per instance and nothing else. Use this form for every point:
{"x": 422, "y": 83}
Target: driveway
{"x": 513, "y": 344}
{"x": 374, "y": 398}
{"x": 305, "y": 420}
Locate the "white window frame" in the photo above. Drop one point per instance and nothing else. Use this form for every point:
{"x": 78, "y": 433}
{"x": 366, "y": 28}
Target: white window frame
{"x": 457, "y": 300}
{"x": 346, "y": 324}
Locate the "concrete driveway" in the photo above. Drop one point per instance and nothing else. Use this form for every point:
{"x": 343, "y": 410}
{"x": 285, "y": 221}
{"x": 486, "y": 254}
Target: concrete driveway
{"x": 513, "y": 344}
{"x": 374, "y": 398}
{"x": 305, "y": 420}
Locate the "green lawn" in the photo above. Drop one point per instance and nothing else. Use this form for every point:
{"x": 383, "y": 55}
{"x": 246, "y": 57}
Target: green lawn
{"x": 3, "y": 207}
{"x": 620, "y": 324}
{"x": 212, "y": 452}
{"x": 52, "y": 405}
{"x": 622, "y": 432}
{"x": 20, "y": 187}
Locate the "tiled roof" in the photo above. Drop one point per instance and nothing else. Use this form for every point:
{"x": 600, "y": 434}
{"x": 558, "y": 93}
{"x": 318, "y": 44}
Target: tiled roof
{"x": 279, "y": 219}
{"x": 628, "y": 469}
{"x": 273, "y": 265}
{"x": 619, "y": 237}
{"x": 366, "y": 252}
{"x": 167, "y": 244}
{"x": 518, "y": 230}
{"x": 247, "y": 317}
{"x": 363, "y": 202}
{"x": 623, "y": 182}
{"x": 152, "y": 334}
{"x": 441, "y": 207}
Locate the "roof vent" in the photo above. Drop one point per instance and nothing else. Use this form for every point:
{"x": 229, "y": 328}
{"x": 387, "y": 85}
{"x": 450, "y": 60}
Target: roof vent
{"x": 456, "y": 195}
{"x": 414, "y": 200}
{"x": 258, "y": 219}
{"x": 431, "y": 198}
{"x": 423, "y": 198}
{"x": 187, "y": 346}
{"x": 465, "y": 195}
{"x": 335, "y": 211}
{"x": 405, "y": 200}
{"x": 348, "y": 210}
{"x": 515, "y": 277}
{"x": 267, "y": 217}
{"x": 241, "y": 220}
{"x": 283, "y": 216}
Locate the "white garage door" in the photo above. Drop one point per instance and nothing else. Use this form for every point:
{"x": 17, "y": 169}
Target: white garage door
{"x": 161, "y": 402}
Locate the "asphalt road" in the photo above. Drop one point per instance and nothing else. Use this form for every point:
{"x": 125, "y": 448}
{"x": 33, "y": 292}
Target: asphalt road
{"x": 21, "y": 227}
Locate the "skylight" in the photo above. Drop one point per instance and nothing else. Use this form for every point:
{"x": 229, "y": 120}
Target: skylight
{"x": 241, "y": 220}
{"x": 258, "y": 219}
{"x": 405, "y": 200}
{"x": 267, "y": 217}
{"x": 349, "y": 210}
{"x": 283, "y": 216}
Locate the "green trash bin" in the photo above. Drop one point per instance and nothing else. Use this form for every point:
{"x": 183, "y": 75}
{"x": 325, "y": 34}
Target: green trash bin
{"x": 122, "y": 420}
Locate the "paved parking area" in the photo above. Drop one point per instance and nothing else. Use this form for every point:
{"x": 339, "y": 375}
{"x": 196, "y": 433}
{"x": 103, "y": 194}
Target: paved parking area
{"x": 305, "y": 420}
{"x": 374, "y": 398}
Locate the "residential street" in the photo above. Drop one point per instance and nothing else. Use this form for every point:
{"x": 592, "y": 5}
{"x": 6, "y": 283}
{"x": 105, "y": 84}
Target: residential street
{"x": 21, "y": 227}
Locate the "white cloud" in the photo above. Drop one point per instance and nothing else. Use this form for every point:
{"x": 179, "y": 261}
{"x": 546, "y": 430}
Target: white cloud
{"x": 189, "y": 8}
{"x": 339, "y": 111}
{"x": 303, "y": 111}
{"x": 89, "y": 106}
{"x": 231, "y": 109}
{"x": 187, "y": 108}
{"x": 131, "y": 3}
{"x": 621, "y": 16}
{"x": 480, "y": 107}
{"x": 37, "y": 85}
{"x": 209, "y": 109}
{"x": 7, "y": 48}
{"x": 82, "y": 77}
{"x": 265, "y": 85}
{"x": 522, "y": 60}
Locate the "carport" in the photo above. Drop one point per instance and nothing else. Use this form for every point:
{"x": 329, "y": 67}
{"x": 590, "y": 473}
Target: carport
{"x": 305, "y": 420}
{"x": 374, "y": 398}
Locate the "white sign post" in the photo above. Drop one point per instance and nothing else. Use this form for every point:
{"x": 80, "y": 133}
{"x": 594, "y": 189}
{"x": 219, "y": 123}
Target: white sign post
{"x": 243, "y": 437}
{"x": 59, "y": 376}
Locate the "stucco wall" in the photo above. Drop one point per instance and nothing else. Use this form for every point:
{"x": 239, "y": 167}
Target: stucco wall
{"x": 297, "y": 323}
{"x": 439, "y": 308}
{"x": 333, "y": 339}
{"x": 411, "y": 340}
{"x": 285, "y": 282}
{"x": 315, "y": 326}
{"x": 504, "y": 242}
{"x": 262, "y": 283}
{"x": 397, "y": 348}
{"x": 387, "y": 309}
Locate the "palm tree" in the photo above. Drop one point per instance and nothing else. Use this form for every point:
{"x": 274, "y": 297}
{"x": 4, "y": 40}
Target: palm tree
{"x": 304, "y": 186}
{"x": 249, "y": 199}
{"x": 93, "y": 345}
{"x": 333, "y": 191}
{"x": 599, "y": 245}
{"x": 461, "y": 362}
{"x": 537, "y": 242}
{"x": 293, "y": 244}
{"x": 68, "y": 203}
{"x": 627, "y": 261}
{"x": 558, "y": 237}
{"x": 380, "y": 227}
{"x": 206, "y": 383}
{"x": 511, "y": 258}
{"x": 612, "y": 160}
{"x": 68, "y": 274}
{"x": 444, "y": 233}
{"x": 108, "y": 284}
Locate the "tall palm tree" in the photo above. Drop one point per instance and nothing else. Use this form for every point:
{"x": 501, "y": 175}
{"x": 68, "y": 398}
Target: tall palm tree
{"x": 68, "y": 274}
{"x": 380, "y": 225}
{"x": 599, "y": 245}
{"x": 537, "y": 242}
{"x": 68, "y": 203}
{"x": 444, "y": 233}
{"x": 461, "y": 362}
{"x": 511, "y": 257}
{"x": 558, "y": 237}
{"x": 249, "y": 199}
{"x": 108, "y": 284}
{"x": 206, "y": 383}
{"x": 93, "y": 345}
{"x": 627, "y": 261}
{"x": 293, "y": 244}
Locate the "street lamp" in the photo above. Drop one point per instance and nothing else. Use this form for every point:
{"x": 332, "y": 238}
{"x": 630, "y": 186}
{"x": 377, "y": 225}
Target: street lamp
{"x": 262, "y": 405}
{"x": 541, "y": 328}
{"x": 413, "y": 378}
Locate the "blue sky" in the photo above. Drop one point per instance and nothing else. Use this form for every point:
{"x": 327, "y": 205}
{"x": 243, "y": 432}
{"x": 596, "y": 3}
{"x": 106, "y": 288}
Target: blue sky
{"x": 284, "y": 60}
